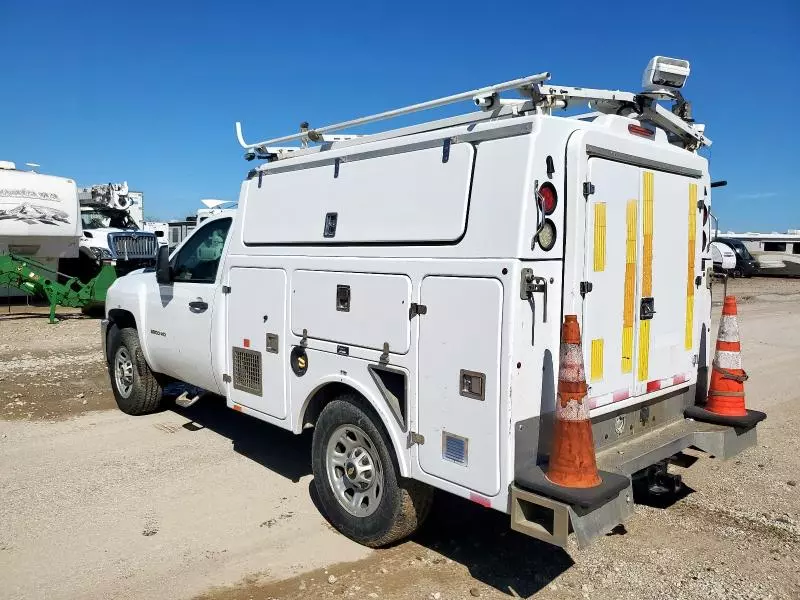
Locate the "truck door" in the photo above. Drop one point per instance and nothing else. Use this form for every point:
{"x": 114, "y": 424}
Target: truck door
{"x": 641, "y": 232}
{"x": 459, "y": 381}
{"x": 178, "y": 317}
{"x": 257, "y": 339}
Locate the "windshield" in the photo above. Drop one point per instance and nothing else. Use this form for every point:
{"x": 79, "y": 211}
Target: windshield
{"x": 107, "y": 217}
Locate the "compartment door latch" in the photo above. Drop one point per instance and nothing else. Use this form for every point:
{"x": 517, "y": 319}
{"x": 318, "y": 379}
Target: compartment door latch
{"x": 647, "y": 309}
{"x": 529, "y": 285}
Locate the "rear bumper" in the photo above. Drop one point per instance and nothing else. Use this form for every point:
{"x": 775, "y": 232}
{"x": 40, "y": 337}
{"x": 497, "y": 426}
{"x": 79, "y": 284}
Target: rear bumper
{"x": 548, "y": 514}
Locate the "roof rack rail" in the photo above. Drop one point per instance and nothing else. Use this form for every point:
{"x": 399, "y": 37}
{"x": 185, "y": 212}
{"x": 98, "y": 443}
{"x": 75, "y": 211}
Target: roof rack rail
{"x": 537, "y": 95}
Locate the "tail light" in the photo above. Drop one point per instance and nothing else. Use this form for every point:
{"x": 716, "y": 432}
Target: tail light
{"x": 548, "y": 197}
{"x": 547, "y": 235}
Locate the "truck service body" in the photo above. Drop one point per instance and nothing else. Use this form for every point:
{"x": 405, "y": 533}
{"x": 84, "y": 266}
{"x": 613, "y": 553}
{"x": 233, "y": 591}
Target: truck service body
{"x": 421, "y": 275}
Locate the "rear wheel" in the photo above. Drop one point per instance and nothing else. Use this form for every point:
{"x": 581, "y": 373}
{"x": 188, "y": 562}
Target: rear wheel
{"x": 136, "y": 389}
{"x": 357, "y": 480}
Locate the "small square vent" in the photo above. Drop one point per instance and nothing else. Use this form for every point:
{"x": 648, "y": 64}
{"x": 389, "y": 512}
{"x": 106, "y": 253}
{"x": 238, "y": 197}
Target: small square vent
{"x": 455, "y": 448}
{"x": 247, "y": 370}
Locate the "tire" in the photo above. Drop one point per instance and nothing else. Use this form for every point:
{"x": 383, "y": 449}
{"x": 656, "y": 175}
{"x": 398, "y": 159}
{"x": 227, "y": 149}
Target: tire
{"x": 126, "y": 363}
{"x": 391, "y": 511}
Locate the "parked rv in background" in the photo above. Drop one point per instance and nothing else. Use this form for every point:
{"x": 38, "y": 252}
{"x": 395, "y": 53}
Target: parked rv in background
{"x": 158, "y": 228}
{"x": 39, "y": 217}
{"x": 180, "y": 230}
{"x": 773, "y": 253}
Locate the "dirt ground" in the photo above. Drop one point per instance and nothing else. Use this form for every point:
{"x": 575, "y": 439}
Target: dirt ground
{"x": 208, "y": 503}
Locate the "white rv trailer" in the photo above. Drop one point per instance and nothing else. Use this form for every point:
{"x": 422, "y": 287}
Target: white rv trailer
{"x": 39, "y": 217}
{"x": 158, "y": 228}
{"x": 402, "y": 293}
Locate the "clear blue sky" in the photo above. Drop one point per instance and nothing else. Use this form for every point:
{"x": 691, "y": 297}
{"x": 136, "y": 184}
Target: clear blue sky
{"x": 148, "y": 91}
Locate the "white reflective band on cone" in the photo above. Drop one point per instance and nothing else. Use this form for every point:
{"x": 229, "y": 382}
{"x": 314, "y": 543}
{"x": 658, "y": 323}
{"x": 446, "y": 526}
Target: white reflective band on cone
{"x": 728, "y": 360}
{"x": 728, "y": 329}
{"x": 573, "y": 411}
{"x": 571, "y": 368}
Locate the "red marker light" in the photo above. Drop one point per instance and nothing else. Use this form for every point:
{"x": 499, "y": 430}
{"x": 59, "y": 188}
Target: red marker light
{"x": 641, "y": 131}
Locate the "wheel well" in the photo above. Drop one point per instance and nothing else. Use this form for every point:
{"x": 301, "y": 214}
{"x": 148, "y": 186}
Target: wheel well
{"x": 322, "y": 396}
{"x": 121, "y": 318}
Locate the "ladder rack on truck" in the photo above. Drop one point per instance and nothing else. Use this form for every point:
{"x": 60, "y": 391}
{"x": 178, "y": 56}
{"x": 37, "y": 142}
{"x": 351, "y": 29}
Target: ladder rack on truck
{"x": 537, "y": 96}
{"x": 32, "y": 277}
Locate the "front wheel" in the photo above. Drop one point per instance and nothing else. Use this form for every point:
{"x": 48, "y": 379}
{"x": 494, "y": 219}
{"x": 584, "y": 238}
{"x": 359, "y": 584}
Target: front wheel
{"x": 356, "y": 478}
{"x": 136, "y": 389}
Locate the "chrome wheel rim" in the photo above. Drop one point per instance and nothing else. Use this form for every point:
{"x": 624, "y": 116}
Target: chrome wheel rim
{"x": 123, "y": 372}
{"x": 355, "y": 472}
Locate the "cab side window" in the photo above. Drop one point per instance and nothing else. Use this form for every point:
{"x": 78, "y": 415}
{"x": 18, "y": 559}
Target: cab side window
{"x": 198, "y": 260}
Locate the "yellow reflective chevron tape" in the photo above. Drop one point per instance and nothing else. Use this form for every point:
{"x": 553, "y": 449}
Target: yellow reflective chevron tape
{"x": 644, "y": 349}
{"x": 597, "y": 360}
{"x": 628, "y": 306}
{"x": 600, "y": 237}
{"x": 689, "y": 336}
{"x": 647, "y": 273}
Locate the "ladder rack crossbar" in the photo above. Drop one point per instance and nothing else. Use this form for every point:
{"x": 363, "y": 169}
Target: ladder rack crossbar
{"x": 540, "y": 96}
{"x": 518, "y": 84}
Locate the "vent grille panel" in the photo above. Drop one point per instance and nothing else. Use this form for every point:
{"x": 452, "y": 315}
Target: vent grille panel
{"x": 247, "y": 370}
{"x": 454, "y": 448}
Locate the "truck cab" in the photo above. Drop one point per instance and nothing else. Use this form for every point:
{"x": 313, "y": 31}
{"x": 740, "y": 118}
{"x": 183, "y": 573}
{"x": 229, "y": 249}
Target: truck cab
{"x": 402, "y": 293}
{"x": 111, "y": 232}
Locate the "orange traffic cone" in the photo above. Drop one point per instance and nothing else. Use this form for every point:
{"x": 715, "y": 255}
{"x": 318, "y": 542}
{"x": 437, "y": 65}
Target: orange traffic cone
{"x": 572, "y": 461}
{"x": 726, "y": 392}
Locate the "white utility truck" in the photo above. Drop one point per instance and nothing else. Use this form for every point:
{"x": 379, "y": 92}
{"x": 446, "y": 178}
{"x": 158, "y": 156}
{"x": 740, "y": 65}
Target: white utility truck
{"x": 402, "y": 293}
{"x": 112, "y": 216}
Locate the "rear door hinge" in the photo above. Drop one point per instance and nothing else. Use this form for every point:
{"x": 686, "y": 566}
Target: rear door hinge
{"x": 414, "y": 438}
{"x": 226, "y": 378}
{"x": 226, "y": 289}
{"x": 588, "y": 189}
{"x": 586, "y": 287}
{"x": 417, "y": 309}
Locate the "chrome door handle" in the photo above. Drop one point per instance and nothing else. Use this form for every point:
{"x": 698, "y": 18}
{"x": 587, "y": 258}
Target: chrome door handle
{"x": 198, "y": 306}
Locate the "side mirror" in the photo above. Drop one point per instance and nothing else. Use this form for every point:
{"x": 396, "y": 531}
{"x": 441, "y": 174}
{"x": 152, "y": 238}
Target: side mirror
{"x": 163, "y": 271}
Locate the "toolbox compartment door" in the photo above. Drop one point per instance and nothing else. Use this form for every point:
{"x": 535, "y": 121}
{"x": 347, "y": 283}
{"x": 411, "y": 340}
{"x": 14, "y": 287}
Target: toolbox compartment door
{"x": 459, "y": 381}
{"x": 408, "y": 195}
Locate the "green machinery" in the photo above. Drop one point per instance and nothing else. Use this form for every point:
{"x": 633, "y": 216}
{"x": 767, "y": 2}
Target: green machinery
{"x": 33, "y": 277}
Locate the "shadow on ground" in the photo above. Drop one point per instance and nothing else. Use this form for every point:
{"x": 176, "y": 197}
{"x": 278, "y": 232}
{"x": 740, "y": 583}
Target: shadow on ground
{"x": 19, "y": 316}
{"x": 276, "y": 449}
{"x": 476, "y": 537}
{"x": 481, "y": 540}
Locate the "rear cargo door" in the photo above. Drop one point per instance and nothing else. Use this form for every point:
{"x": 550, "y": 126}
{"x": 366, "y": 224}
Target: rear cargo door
{"x": 641, "y": 259}
{"x": 609, "y": 309}
{"x": 668, "y": 269}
